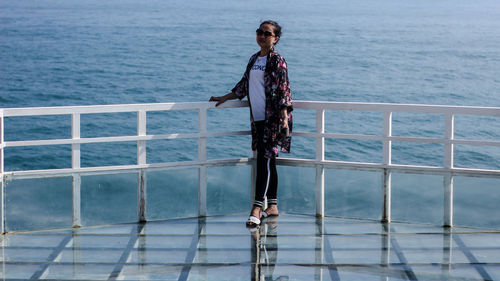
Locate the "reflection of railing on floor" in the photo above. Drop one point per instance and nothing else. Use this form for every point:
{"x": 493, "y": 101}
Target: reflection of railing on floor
{"x": 386, "y": 167}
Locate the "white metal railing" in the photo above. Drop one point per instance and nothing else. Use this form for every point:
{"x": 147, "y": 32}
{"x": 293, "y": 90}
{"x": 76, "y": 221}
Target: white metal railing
{"x": 386, "y": 166}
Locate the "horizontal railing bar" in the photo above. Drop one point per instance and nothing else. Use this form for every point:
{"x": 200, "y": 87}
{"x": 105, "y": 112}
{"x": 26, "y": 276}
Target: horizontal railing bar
{"x": 104, "y": 170}
{"x": 375, "y": 107}
{"x": 312, "y": 163}
{"x": 445, "y": 141}
{"x": 227, "y": 134}
{"x": 116, "y": 108}
{"x": 50, "y": 173}
{"x": 120, "y": 139}
{"x": 393, "y": 167}
{"x": 445, "y": 171}
{"x": 476, "y": 142}
{"x": 295, "y": 162}
{"x": 240, "y": 133}
{"x": 71, "y": 141}
{"x": 390, "y": 107}
{"x": 373, "y": 137}
{"x": 337, "y": 136}
{"x": 397, "y": 138}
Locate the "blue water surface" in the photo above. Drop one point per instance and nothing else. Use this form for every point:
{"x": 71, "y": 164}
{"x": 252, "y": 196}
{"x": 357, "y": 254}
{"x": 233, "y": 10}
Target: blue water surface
{"x": 94, "y": 52}
{"x": 56, "y": 52}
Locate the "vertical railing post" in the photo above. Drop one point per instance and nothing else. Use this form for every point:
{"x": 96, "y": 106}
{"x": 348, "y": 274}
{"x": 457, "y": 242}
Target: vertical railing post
{"x": 387, "y": 161}
{"x": 449, "y": 136}
{"x": 2, "y": 184}
{"x": 202, "y": 157}
{"x": 141, "y": 160}
{"x": 387, "y": 143}
{"x": 448, "y": 164}
{"x": 320, "y": 157}
{"x": 75, "y": 135}
{"x": 77, "y": 209}
{"x": 387, "y": 186}
{"x": 448, "y": 201}
{"x": 141, "y": 195}
{"x": 75, "y": 164}
{"x": 141, "y": 144}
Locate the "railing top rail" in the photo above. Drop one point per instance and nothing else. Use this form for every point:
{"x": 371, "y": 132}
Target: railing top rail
{"x": 328, "y": 105}
{"x": 396, "y": 107}
{"x": 115, "y": 108}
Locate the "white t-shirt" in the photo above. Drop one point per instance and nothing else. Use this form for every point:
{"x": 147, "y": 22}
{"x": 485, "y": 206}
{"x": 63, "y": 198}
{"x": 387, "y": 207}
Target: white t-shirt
{"x": 256, "y": 89}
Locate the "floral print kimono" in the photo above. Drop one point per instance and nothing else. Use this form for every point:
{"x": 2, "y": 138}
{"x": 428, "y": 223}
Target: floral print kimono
{"x": 278, "y": 96}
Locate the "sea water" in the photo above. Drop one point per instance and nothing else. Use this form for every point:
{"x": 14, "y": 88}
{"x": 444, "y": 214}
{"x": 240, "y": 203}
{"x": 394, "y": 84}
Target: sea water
{"x": 55, "y": 53}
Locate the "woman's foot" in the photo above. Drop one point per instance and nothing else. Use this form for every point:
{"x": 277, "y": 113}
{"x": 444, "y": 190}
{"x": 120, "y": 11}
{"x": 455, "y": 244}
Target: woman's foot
{"x": 271, "y": 211}
{"x": 254, "y": 218}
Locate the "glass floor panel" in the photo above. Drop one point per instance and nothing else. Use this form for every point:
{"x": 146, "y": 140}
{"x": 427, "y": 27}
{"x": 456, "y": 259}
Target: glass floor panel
{"x": 288, "y": 247}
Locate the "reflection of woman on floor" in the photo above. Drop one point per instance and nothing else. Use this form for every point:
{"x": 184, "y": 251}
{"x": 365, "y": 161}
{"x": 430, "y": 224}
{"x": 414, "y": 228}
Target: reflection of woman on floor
{"x": 265, "y": 83}
{"x": 265, "y": 252}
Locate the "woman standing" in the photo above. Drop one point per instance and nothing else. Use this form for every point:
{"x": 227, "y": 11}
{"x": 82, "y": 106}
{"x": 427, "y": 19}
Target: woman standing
{"x": 265, "y": 83}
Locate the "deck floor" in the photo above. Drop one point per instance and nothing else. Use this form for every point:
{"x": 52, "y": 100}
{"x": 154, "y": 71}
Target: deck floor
{"x": 290, "y": 247}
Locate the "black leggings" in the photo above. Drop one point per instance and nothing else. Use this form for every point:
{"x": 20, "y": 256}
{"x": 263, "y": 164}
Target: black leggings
{"x": 267, "y": 176}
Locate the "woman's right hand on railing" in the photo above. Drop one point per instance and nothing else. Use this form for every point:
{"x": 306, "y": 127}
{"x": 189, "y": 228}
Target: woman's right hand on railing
{"x": 222, "y": 99}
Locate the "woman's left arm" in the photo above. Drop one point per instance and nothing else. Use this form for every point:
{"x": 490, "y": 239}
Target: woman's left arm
{"x": 284, "y": 92}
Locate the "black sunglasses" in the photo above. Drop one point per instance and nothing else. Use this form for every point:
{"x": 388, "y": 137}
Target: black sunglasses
{"x": 265, "y": 33}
